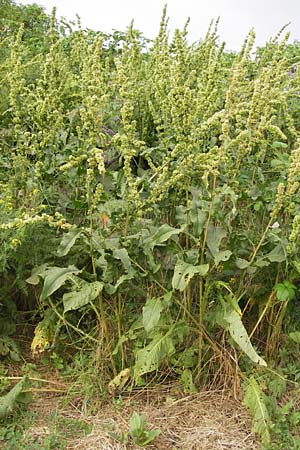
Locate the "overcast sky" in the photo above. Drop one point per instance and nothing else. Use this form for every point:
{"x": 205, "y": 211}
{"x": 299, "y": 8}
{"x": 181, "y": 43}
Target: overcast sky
{"x": 237, "y": 17}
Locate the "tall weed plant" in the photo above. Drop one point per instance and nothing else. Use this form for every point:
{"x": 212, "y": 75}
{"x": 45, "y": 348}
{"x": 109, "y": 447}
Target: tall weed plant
{"x": 150, "y": 198}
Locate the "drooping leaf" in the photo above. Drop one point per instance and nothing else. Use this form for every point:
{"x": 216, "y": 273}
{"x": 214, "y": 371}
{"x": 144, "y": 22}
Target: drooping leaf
{"x": 150, "y": 357}
{"x": 184, "y": 272}
{"x": 151, "y": 313}
{"x": 112, "y": 289}
{"x": 161, "y": 235}
{"x": 76, "y": 299}
{"x": 214, "y": 239}
{"x": 55, "y": 277}
{"x": 122, "y": 254}
{"x": 8, "y": 401}
{"x": 67, "y": 242}
{"x": 239, "y": 334}
{"x": 37, "y": 273}
{"x": 254, "y": 399}
{"x": 43, "y": 334}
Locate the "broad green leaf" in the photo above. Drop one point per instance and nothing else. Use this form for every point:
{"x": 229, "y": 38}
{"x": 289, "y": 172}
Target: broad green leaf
{"x": 277, "y": 254}
{"x": 254, "y": 399}
{"x": 76, "y": 299}
{"x": 151, "y": 261}
{"x": 163, "y": 233}
{"x": 8, "y": 401}
{"x": 55, "y": 277}
{"x": 184, "y": 272}
{"x": 241, "y": 263}
{"x": 137, "y": 423}
{"x": 285, "y": 291}
{"x": 198, "y": 219}
{"x": 261, "y": 261}
{"x": 151, "y": 313}
{"x": 122, "y": 254}
{"x": 148, "y": 437}
{"x": 150, "y": 357}
{"x": 67, "y": 242}
{"x": 214, "y": 239}
{"x": 37, "y": 274}
{"x": 239, "y": 334}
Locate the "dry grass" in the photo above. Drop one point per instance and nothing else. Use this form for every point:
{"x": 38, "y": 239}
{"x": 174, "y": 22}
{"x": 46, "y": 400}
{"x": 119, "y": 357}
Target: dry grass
{"x": 204, "y": 421}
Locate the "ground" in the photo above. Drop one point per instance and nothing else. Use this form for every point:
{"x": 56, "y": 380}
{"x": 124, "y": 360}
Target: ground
{"x": 54, "y": 419}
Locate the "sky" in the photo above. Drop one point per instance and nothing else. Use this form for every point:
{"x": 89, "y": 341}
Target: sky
{"x": 237, "y": 17}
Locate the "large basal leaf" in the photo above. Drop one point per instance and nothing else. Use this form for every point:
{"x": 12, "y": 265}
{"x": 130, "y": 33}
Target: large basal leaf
{"x": 254, "y": 400}
{"x": 184, "y": 272}
{"x": 162, "y": 235}
{"x": 150, "y": 357}
{"x": 55, "y": 277}
{"x": 239, "y": 334}
{"x": 67, "y": 242}
{"x": 8, "y": 401}
{"x": 151, "y": 313}
{"x": 214, "y": 239}
{"x": 76, "y": 299}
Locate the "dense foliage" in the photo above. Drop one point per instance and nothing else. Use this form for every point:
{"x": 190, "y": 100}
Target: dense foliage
{"x": 149, "y": 201}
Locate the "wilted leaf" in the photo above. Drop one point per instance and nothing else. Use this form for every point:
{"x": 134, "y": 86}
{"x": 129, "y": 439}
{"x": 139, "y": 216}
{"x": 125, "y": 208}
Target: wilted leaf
{"x": 254, "y": 399}
{"x": 8, "y": 401}
{"x": 55, "y": 277}
{"x": 239, "y": 334}
{"x": 119, "y": 381}
{"x": 67, "y": 242}
{"x": 151, "y": 313}
{"x": 184, "y": 272}
{"x": 76, "y": 299}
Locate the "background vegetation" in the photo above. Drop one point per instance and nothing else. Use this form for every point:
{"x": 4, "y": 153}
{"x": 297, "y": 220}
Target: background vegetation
{"x": 150, "y": 214}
